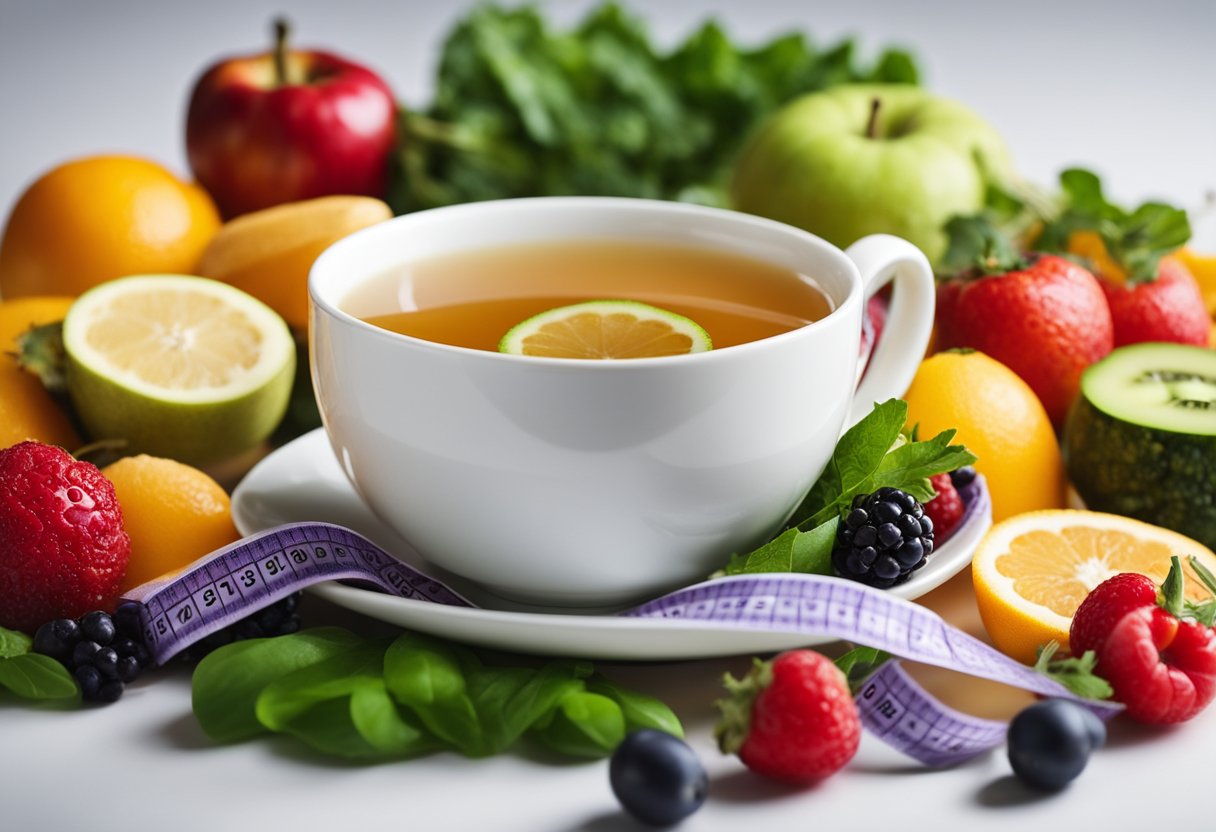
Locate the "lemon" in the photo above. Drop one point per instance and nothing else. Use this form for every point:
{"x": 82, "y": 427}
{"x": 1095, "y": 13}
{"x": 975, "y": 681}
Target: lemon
{"x": 180, "y": 367}
{"x": 605, "y": 329}
{"x": 1032, "y": 571}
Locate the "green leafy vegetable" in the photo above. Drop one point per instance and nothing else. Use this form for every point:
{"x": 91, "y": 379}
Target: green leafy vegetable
{"x": 370, "y": 700}
{"x": 1135, "y": 240}
{"x": 35, "y": 676}
{"x": 227, "y": 682}
{"x": 522, "y": 110}
{"x": 14, "y": 643}
{"x": 871, "y": 454}
{"x": 859, "y": 663}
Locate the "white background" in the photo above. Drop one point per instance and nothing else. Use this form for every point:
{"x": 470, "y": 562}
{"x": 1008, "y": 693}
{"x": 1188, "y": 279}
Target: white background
{"x": 1124, "y": 88}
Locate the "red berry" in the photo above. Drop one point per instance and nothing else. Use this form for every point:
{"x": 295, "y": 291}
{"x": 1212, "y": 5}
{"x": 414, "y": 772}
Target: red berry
{"x": 63, "y": 550}
{"x": 1161, "y": 668}
{"x": 1167, "y": 308}
{"x": 1105, "y": 605}
{"x": 791, "y": 719}
{"x": 946, "y": 509}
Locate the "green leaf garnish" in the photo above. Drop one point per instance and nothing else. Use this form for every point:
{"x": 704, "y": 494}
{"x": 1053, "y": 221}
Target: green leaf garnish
{"x": 859, "y": 663}
{"x": 14, "y": 643}
{"x": 1076, "y": 674}
{"x": 791, "y": 551}
{"x": 1135, "y": 240}
{"x": 37, "y": 677}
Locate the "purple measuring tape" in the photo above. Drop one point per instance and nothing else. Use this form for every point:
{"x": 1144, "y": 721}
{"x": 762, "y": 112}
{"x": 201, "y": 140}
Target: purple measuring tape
{"x": 259, "y": 570}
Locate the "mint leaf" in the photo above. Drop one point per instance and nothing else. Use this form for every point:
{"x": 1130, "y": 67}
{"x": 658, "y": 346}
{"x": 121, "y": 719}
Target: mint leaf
{"x": 859, "y": 663}
{"x": 909, "y": 466}
{"x": 791, "y": 551}
{"x": 14, "y": 643}
{"x": 35, "y": 676}
{"x": 857, "y": 456}
{"x": 1076, "y": 674}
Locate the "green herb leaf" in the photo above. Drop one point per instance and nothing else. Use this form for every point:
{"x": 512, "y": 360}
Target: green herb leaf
{"x": 909, "y": 466}
{"x": 1076, "y": 674}
{"x": 791, "y": 551}
{"x": 1171, "y": 594}
{"x": 859, "y": 663}
{"x": 584, "y": 724}
{"x": 978, "y": 244}
{"x": 510, "y": 700}
{"x": 329, "y": 727}
{"x": 14, "y": 643}
{"x": 334, "y": 677}
{"x": 383, "y": 726}
{"x": 639, "y": 710}
{"x": 427, "y": 676}
{"x": 227, "y": 682}
{"x": 35, "y": 676}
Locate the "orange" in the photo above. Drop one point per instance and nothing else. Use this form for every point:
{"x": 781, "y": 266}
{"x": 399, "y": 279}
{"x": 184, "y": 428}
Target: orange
{"x": 98, "y": 218}
{"x": 1089, "y": 245}
{"x": 27, "y": 411}
{"x": 174, "y": 514}
{"x": 999, "y": 419}
{"x": 1203, "y": 268}
{"x": 269, "y": 253}
{"x": 1031, "y": 572}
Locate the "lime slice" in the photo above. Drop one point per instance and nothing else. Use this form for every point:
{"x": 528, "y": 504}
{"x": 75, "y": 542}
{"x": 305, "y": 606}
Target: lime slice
{"x": 181, "y": 367}
{"x": 606, "y": 329}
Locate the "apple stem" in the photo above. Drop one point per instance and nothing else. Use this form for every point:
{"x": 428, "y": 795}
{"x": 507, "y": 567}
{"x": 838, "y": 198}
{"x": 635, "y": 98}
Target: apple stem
{"x": 281, "y": 30}
{"x": 872, "y": 125}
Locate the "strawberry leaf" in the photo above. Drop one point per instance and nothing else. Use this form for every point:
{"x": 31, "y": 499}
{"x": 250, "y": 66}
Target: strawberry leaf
{"x": 1076, "y": 674}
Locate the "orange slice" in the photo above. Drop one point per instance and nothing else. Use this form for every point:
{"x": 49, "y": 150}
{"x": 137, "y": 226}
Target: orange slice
{"x": 1032, "y": 571}
{"x": 606, "y": 329}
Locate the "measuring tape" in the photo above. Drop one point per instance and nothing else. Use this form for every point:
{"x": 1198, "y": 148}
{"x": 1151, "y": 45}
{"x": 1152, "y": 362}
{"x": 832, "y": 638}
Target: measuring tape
{"x": 255, "y": 572}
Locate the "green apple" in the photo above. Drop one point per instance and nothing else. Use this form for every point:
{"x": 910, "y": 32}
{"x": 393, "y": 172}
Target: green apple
{"x": 869, "y": 158}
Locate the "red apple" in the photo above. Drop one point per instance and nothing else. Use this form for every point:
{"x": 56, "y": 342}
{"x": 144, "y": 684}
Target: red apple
{"x": 285, "y": 125}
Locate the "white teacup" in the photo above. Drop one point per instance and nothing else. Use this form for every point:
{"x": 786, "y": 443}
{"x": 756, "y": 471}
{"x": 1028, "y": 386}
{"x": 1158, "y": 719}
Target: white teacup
{"x": 589, "y": 483}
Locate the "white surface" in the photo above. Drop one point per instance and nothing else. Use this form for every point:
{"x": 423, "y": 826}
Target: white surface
{"x": 1123, "y": 86}
{"x": 301, "y": 482}
{"x": 599, "y": 482}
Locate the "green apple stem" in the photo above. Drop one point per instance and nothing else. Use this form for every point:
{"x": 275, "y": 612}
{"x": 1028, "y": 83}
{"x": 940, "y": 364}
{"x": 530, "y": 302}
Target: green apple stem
{"x": 872, "y": 125}
{"x": 281, "y": 30}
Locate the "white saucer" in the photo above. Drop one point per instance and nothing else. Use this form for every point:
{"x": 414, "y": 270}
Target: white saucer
{"x": 302, "y": 482}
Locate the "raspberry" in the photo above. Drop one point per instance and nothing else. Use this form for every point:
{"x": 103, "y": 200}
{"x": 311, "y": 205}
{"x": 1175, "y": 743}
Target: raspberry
{"x": 885, "y": 537}
{"x": 63, "y": 550}
{"x": 946, "y": 509}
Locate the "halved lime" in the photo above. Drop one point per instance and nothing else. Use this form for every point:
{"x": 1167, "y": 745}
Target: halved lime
{"x": 181, "y": 367}
{"x": 606, "y": 329}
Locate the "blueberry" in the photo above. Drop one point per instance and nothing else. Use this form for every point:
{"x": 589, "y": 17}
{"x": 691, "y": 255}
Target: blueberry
{"x": 106, "y": 661}
{"x": 109, "y": 691}
{"x": 128, "y": 669}
{"x": 657, "y": 778}
{"x": 962, "y": 477}
{"x": 1050, "y": 743}
{"x": 97, "y": 626}
{"x": 89, "y": 679}
{"x": 57, "y": 639}
{"x": 84, "y": 652}
{"x": 126, "y": 619}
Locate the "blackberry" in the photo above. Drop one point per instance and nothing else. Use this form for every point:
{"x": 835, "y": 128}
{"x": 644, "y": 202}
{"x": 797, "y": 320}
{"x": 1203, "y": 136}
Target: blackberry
{"x": 278, "y": 619}
{"x": 884, "y": 538}
{"x": 99, "y": 650}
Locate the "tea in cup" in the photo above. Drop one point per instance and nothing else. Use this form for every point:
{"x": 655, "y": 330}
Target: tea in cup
{"x": 588, "y": 482}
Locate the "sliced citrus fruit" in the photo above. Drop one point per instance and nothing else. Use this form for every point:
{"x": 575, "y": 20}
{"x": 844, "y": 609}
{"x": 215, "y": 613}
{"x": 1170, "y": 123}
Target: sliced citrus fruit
{"x": 606, "y": 329}
{"x": 180, "y": 367}
{"x": 1032, "y": 571}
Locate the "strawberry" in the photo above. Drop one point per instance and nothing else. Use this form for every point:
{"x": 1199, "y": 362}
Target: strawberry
{"x": 1042, "y": 316}
{"x": 791, "y": 719}
{"x": 1161, "y": 667}
{"x": 63, "y": 550}
{"x": 1168, "y": 307}
{"x": 1102, "y": 608}
{"x": 946, "y": 509}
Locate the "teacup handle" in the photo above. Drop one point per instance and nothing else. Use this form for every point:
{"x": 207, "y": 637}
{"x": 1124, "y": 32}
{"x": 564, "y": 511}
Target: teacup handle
{"x": 898, "y": 353}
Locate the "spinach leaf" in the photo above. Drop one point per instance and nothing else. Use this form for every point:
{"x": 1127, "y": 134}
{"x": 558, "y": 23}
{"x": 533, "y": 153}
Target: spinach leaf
{"x": 510, "y": 700}
{"x": 35, "y": 676}
{"x": 428, "y": 676}
{"x": 381, "y": 723}
{"x": 227, "y": 683}
{"x": 638, "y": 709}
{"x": 335, "y": 677}
{"x": 329, "y": 727}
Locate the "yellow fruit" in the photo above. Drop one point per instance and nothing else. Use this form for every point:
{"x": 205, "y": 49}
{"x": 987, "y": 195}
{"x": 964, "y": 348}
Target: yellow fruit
{"x": 1203, "y": 268}
{"x": 179, "y": 366}
{"x": 1031, "y": 572}
{"x": 174, "y": 514}
{"x": 999, "y": 419}
{"x": 1088, "y": 244}
{"x": 27, "y": 411}
{"x": 268, "y": 253}
{"x": 605, "y": 329}
{"x": 98, "y": 218}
